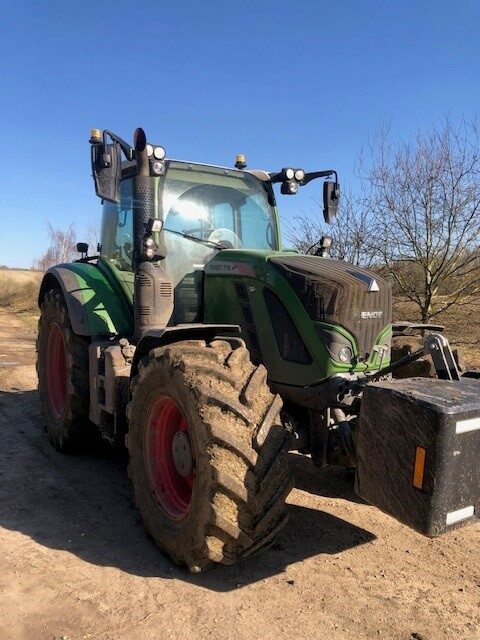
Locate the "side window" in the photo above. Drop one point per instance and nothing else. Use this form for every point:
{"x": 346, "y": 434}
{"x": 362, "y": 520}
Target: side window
{"x": 257, "y": 228}
{"x": 223, "y": 216}
{"x": 117, "y": 229}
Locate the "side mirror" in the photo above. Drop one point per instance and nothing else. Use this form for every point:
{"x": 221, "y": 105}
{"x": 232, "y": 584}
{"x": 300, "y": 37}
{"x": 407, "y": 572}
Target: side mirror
{"x": 107, "y": 171}
{"x": 82, "y": 247}
{"x": 324, "y": 245}
{"x": 331, "y": 197}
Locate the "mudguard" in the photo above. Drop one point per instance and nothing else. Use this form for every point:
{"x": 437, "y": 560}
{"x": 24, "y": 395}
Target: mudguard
{"x": 168, "y": 335}
{"x": 95, "y": 305}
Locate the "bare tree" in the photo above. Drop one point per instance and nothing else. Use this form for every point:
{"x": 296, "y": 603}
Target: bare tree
{"x": 351, "y": 231}
{"x": 424, "y": 199}
{"x": 93, "y": 238}
{"x": 62, "y": 248}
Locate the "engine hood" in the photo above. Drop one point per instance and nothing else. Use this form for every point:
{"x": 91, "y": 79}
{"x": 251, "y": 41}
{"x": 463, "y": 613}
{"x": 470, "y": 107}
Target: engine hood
{"x": 336, "y": 292}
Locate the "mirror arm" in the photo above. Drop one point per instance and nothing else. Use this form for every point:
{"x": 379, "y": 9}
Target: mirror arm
{"x": 318, "y": 174}
{"x": 124, "y": 146}
{"x": 277, "y": 176}
{"x": 280, "y": 177}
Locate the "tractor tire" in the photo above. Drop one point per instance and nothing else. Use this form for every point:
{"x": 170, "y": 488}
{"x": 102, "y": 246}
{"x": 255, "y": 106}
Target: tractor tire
{"x": 62, "y": 369}
{"x": 208, "y": 452}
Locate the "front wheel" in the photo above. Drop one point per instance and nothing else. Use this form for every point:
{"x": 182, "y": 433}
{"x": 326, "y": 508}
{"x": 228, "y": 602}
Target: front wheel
{"x": 207, "y": 452}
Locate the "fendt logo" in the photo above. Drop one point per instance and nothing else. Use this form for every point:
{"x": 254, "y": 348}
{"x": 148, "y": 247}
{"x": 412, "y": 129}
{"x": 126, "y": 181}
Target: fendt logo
{"x": 371, "y": 315}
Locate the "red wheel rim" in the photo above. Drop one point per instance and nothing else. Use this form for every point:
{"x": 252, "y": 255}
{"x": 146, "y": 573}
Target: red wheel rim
{"x": 56, "y": 370}
{"x": 171, "y": 478}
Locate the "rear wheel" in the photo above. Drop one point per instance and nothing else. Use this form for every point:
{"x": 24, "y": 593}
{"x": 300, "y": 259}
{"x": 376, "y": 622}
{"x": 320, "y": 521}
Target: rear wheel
{"x": 62, "y": 368}
{"x": 207, "y": 452}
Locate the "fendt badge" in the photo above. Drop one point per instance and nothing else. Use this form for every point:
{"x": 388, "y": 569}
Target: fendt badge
{"x": 371, "y": 315}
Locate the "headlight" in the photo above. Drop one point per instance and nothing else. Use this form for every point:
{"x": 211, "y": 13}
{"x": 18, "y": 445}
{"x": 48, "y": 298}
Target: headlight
{"x": 289, "y": 173}
{"x": 149, "y": 150}
{"x": 159, "y": 153}
{"x": 158, "y": 168}
{"x": 344, "y": 355}
{"x": 299, "y": 175}
{"x": 149, "y": 248}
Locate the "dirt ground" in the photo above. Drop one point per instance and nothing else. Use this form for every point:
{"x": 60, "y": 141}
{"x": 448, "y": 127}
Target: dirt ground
{"x": 75, "y": 562}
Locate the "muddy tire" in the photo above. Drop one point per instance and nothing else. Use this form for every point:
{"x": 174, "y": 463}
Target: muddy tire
{"x": 62, "y": 369}
{"x": 224, "y": 496}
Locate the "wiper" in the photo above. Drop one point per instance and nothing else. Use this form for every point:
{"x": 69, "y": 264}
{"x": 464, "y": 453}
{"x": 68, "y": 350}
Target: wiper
{"x": 208, "y": 243}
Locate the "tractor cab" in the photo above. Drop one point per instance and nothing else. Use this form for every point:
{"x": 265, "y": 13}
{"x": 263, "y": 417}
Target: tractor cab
{"x": 203, "y": 209}
{"x": 168, "y": 219}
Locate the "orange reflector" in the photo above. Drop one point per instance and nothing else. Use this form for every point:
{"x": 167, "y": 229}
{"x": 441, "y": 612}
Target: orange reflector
{"x": 419, "y": 467}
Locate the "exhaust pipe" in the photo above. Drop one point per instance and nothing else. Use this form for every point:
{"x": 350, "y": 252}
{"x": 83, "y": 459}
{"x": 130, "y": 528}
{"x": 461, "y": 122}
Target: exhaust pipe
{"x": 153, "y": 293}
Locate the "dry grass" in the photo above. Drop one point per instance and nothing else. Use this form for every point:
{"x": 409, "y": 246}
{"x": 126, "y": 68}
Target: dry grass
{"x": 19, "y": 291}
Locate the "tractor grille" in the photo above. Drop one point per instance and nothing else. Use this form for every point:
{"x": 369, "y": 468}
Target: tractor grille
{"x": 188, "y": 299}
{"x": 290, "y": 345}
{"x": 248, "y": 324}
{"x": 338, "y": 293}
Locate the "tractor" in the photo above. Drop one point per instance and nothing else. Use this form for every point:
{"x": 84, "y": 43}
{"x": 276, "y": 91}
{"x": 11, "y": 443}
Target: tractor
{"x": 195, "y": 340}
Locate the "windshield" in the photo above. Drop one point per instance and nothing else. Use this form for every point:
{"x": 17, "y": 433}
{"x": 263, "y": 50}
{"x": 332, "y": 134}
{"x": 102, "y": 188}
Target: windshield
{"x": 229, "y": 208}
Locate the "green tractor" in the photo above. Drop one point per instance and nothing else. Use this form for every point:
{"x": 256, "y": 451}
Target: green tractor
{"x": 211, "y": 352}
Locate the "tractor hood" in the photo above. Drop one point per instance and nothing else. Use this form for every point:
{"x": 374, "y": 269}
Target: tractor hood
{"x": 339, "y": 293}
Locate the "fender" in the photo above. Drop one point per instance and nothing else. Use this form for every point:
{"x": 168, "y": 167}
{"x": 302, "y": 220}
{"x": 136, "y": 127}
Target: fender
{"x": 169, "y": 335}
{"x": 95, "y": 306}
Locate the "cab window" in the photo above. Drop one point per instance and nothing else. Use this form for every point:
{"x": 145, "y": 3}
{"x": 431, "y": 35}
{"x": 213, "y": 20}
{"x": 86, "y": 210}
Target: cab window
{"x": 218, "y": 205}
{"x": 117, "y": 230}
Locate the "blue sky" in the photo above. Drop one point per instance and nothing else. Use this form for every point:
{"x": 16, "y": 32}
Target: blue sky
{"x": 287, "y": 83}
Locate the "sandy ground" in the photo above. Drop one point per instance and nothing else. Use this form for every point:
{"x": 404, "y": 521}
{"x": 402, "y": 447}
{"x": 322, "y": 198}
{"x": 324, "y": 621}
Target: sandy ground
{"x": 75, "y": 561}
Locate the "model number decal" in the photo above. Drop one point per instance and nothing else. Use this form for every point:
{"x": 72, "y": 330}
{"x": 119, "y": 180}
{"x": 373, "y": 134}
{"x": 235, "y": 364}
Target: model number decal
{"x": 371, "y": 315}
{"x": 229, "y": 268}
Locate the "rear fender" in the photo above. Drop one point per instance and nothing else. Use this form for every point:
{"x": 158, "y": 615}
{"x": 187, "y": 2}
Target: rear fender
{"x": 95, "y": 306}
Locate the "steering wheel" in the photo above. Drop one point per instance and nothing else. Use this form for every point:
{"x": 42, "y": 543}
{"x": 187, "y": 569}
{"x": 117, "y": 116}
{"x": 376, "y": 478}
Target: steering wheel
{"x": 226, "y": 235}
{"x": 204, "y": 232}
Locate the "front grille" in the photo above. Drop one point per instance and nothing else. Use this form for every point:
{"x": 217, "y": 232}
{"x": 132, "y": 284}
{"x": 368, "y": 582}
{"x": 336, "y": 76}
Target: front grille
{"x": 290, "y": 344}
{"x": 249, "y": 328}
{"x": 188, "y": 298}
{"x": 241, "y": 291}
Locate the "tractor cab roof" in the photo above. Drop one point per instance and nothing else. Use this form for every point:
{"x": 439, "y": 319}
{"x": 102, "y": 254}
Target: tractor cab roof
{"x": 129, "y": 168}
